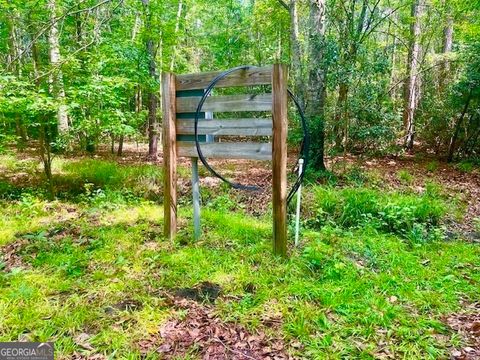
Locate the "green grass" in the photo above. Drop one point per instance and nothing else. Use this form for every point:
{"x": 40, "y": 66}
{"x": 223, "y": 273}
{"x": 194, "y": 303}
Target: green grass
{"x": 404, "y": 214}
{"x": 466, "y": 166}
{"x": 354, "y": 288}
{"x": 405, "y": 177}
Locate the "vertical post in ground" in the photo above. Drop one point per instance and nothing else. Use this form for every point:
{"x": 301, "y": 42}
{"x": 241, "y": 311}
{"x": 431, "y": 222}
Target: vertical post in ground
{"x": 196, "y": 199}
{"x": 299, "y": 199}
{"x": 279, "y": 158}
{"x": 169, "y": 155}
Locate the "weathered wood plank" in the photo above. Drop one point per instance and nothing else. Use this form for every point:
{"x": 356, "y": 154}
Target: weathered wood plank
{"x": 254, "y": 151}
{"x": 169, "y": 156}
{"x": 238, "y": 127}
{"x": 229, "y": 103}
{"x": 250, "y": 77}
{"x": 279, "y": 159}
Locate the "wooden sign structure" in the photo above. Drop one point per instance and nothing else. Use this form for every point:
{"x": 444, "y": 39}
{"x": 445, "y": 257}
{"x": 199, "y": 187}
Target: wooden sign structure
{"x": 181, "y": 95}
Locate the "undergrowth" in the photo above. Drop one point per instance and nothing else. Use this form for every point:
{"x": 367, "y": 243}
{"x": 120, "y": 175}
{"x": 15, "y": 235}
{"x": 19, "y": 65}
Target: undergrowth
{"x": 354, "y": 288}
{"x": 411, "y": 216}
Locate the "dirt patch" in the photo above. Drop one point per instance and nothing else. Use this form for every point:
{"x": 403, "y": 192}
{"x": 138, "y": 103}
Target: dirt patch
{"x": 203, "y": 292}
{"x": 467, "y": 325}
{"x": 202, "y": 333}
{"x": 10, "y": 255}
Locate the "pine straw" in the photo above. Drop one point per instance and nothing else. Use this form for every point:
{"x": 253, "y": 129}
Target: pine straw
{"x": 202, "y": 333}
{"x": 467, "y": 325}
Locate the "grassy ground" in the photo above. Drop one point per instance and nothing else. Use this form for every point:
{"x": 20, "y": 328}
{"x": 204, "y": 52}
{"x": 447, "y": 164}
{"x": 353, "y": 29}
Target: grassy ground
{"x": 375, "y": 276}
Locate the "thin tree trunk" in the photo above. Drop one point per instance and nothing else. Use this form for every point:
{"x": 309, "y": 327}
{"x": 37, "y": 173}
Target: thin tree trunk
{"x": 55, "y": 61}
{"x": 136, "y": 27}
{"x": 296, "y": 52}
{"x": 16, "y": 67}
{"x": 446, "y": 49}
{"x": 458, "y": 125}
{"x": 112, "y": 144}
{"x": 412, "y": 84}
{"x": 393, "y": 79}
{"x": 152, "y": 97}
{"x": 338, "y": 129}
{"x": 348, "y": 58}
{"x": 177, "y": 27}
{"x": 120, "y": 145}
{"x": 316, "y": 83}
{"x": 46, "y": 156}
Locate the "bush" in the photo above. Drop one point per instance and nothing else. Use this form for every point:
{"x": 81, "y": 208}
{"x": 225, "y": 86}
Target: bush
{"x": 390, "y": 212}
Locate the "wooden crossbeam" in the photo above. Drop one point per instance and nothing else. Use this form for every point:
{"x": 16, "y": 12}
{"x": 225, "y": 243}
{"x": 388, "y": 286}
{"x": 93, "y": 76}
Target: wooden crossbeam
{"x": 229, "y": 103}
{"x": 250, "y": 77}
{"x": 235, "y": 127}
{"x": 254, "y": 151}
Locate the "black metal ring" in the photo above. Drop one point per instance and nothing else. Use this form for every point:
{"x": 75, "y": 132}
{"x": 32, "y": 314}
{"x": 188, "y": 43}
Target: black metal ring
{"x": 303, "y": 151}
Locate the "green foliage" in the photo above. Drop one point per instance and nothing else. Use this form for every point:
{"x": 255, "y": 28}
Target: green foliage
{"x": 348, "y": 277}
{"x": 397, "y": 213}
{"x": 466, "y": 166}
{"x": 405, "y": 177}
{"x": 432, "y": 166}
{"x": 98, "y": 178}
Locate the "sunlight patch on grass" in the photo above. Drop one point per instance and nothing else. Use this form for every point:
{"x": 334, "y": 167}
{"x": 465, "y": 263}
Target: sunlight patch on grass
{"x": 133, "y": 214}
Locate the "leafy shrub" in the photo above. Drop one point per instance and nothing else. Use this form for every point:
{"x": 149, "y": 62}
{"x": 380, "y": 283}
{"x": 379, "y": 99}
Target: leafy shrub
{"x": 390, "y": 212}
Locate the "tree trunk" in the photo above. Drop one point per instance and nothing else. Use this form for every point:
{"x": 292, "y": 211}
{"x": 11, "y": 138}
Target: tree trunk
{"x": 453, "y": 140}
{"x": 120, "y": 145}
{"x": 412, "y": 84}
{"x": 177, "y": 27}
{"x": 348, "y": 59}
{"x": 152, "y": 96}
{"x": 46, "y": 156}
{"x": 446, "y": 49}
{"x": 316, "y": 84}
{"x": 136, "y": 27}
{"x": 57, "y": 86}
{"x": 393, "y": 79}
{"x": 338, "y": 129}
{"x": 296, "y": 53}
{"x": 14, "y": 56}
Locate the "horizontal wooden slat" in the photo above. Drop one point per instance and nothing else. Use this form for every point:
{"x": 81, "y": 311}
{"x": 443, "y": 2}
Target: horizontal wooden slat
{"x": 228, "y": 103}
{"x": 239, "y": 127}
{"x": 253, "y": 76}
{"x": 255, "y": 151}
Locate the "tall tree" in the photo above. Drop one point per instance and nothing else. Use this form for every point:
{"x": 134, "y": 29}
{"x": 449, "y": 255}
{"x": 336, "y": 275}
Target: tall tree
{"x": 317, "y": 83}
{"x": 412, "y": 83}
{"x": 296, "y": 50}
{"x": 446, "y": 46}
{"x": 56, "y": 79}
{"x": 153, "y": 130}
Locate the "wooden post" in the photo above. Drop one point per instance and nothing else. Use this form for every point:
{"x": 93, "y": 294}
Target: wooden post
{"x": 169, "y": 156}
{"x": 279, "y": 158}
